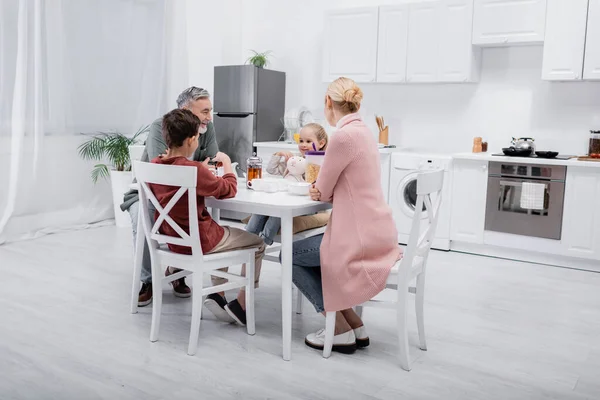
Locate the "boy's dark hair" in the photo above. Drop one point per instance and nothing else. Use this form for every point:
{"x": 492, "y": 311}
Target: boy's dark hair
{"x": 178, "y": 125}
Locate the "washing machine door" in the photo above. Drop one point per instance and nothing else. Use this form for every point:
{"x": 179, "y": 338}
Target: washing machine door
{"x": 406, "y": 195}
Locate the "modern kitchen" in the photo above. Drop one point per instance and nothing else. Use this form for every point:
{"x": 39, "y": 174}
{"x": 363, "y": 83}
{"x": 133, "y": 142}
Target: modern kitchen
{"x": 498, "y": 99}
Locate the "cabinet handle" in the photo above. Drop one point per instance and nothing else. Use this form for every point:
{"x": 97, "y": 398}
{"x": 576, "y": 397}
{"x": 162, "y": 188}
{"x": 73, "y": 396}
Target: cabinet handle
{"x": 505, "y": 40}
{"x": 484, "y": 167}
{"x": 577, "y": 76}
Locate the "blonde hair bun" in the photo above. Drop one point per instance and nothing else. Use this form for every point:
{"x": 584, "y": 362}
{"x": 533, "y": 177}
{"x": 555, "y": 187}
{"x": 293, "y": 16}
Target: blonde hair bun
{"x": 345, "y": 94}
{"x": 353, "y": 95}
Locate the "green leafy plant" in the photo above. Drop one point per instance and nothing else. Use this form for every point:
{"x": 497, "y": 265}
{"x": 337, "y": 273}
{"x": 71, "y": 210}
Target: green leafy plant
{"x": 259, "y": 60}
{"x": 110, "y": 146}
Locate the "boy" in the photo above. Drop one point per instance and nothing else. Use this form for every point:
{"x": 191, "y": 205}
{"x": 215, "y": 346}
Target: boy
{"x": 181, "y": 130}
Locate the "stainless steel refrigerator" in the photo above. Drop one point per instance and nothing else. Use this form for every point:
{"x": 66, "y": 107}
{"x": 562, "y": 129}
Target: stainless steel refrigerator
{"x": 249, "y": 104}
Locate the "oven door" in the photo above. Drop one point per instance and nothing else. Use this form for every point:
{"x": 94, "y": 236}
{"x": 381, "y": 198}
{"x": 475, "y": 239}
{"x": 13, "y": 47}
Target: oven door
{"x": 504, "y": 212}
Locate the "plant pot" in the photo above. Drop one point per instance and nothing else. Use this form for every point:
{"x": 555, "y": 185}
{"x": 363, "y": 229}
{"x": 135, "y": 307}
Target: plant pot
{"x": 120, "y": 181}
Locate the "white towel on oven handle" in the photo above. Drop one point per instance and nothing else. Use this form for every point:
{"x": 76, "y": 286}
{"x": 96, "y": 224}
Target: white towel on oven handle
{"x": 532, "y": 195}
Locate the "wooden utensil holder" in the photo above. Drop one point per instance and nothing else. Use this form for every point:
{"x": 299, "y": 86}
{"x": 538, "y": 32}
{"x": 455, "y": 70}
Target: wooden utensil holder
{"x": 383, "y": 136}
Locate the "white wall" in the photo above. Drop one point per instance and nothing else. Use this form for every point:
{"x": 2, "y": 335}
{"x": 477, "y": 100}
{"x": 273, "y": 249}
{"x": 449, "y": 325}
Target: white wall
{"x": 510, "y": 100}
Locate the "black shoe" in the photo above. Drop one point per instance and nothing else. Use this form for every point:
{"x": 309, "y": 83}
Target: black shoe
{"x": 235, "y": 311}
{"x": 216, "y": 305}
{"x": 145, "y": 295}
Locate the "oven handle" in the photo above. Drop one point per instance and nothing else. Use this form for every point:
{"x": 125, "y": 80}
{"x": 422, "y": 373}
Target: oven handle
{"x": 527, "y": 179}
{"x": 518, "y": 184}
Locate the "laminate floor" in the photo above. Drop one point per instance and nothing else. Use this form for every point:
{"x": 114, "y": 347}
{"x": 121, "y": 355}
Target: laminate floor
{"x": 496, "y": 329}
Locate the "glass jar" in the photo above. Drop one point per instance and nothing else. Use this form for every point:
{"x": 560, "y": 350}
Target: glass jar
{"x": 253, "y": 168}
{"x": 594, "y": 149}
{"x": 314, "y": 160}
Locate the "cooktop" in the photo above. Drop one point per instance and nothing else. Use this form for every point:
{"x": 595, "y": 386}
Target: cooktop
{"x": 558, "y": 157}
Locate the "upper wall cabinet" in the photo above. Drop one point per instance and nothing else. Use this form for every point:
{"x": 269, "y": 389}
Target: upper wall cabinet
{"x": 415, "y": 42}
{"x": 439, "y": 42}
{"x": 458, "y": 60}
{"x": 392, "y": 45}
{"x": 591, "y": 66}
{"x": 506, "y": 22}
{"x": 423, "y": 42}
{"x": 564, "y": 44}
{"x": 351, "y": 44}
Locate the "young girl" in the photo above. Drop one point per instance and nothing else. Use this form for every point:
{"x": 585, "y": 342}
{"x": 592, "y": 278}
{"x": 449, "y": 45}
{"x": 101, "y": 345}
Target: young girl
{"x": 268, "y": 227}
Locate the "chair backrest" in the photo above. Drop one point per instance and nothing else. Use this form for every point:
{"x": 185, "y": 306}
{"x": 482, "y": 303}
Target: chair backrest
{"x": 429, "y": 194}
{"x": 180, "y": 176}
{"x": 135, "y": 154}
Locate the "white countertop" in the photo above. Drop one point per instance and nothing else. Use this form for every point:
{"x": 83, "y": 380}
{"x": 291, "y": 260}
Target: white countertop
{"x": 294, "y": 146}
{"x": 526, "y": 160}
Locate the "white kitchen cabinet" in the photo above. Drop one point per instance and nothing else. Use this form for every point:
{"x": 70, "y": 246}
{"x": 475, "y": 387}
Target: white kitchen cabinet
{"x": 564, "y": 44}
{"x": 505, "y": 22}
{"x": 392, "y": 44}
{"x": 591, "y": 69}
{"x": 469, "y": 191}
{"x": 581, "y": 214}
{"x": 350, "y": 47}
{"x": 458, "y": 59}
{"x": 423, "y": 42}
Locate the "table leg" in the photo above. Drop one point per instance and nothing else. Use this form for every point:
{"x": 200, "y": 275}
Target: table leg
{"x": 216, "y": 214}
{"x": 286, "y": 285}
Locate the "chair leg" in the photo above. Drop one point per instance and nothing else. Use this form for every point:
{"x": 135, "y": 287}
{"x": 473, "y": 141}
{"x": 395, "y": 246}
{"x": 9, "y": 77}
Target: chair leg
{"x": 250, "y": 323}
{"x": 138, "y": 252}
{"x": 419, "y": 300}
{"x": 156, "y": 302}
{"x": 299, "y": 301}
{"x": 329, "y": 333}
{"x": 196, "y": 312}
{"x": 402, "y": 328}
{"x": 358, "y": 310}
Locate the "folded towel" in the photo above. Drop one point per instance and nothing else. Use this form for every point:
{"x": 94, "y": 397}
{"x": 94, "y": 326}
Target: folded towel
{"x": 532, "y": 196}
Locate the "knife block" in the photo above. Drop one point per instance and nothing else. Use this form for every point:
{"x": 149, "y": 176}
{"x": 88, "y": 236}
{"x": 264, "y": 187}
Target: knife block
{"x": 383, "y": 136}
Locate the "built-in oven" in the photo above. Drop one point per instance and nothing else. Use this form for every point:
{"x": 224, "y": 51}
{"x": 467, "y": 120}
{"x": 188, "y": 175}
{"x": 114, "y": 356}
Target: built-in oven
{"x": 534, "y": 210}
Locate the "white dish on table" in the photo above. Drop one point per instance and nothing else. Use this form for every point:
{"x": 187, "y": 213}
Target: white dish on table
{"x": 299, "y": 188}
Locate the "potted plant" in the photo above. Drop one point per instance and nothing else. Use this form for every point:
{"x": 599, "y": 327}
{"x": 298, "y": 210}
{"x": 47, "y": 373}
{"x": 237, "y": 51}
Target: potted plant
{"x": 113, "y": 148}
{"x": 259, "y": 60}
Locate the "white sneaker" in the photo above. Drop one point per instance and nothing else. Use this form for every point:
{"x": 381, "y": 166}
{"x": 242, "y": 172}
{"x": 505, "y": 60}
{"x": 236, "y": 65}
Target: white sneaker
{"x": 362, "y": 339}
{"x": 342, "y": 343}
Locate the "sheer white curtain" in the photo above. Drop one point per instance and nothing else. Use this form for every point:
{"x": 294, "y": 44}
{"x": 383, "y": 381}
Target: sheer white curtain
{"x": 69, "y": 67}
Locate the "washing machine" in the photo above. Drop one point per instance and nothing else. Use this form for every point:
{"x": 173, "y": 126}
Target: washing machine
{"x": 403, "y": 193}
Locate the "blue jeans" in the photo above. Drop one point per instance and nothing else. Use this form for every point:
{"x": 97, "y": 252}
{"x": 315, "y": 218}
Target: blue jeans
{"x": 306, "y": 269}
{"x": 265, "y": 227}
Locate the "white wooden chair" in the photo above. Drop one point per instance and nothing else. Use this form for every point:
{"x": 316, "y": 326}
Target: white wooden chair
{"x": 135, "y": 154}
{"x": 196, "y": 263}
{"x": 412, "y": 266}
{"x": 275, "y": 248}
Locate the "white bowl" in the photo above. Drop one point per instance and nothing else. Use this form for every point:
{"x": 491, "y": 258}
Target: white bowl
{"x": 299, "y": 188}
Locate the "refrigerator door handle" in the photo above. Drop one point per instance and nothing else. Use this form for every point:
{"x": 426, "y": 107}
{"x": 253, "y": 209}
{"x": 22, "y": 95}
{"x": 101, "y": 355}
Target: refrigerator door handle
{"x": 233, "y": 115}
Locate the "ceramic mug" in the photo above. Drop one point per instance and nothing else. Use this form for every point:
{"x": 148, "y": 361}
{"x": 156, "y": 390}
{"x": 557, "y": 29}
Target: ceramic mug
{"x": 263, "y": 185}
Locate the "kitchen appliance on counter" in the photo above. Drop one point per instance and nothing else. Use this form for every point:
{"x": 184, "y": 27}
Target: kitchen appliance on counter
{"x": 249, "y": 105}
{"x": 525, "y": 199}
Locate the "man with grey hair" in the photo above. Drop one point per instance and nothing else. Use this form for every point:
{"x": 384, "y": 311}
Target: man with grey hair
{"x": 197, "y": 100}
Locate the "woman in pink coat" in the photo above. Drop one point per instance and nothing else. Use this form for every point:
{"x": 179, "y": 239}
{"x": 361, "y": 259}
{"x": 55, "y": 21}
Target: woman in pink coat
{"x": 350, "y": 263}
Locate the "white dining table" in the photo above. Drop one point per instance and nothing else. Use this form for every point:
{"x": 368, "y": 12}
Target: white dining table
{"x": 285, "y": 206}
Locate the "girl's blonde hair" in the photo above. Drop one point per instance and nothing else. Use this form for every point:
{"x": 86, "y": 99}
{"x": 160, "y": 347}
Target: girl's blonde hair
{"x": 319, "y": 132}
{"x": 345, "y": 95}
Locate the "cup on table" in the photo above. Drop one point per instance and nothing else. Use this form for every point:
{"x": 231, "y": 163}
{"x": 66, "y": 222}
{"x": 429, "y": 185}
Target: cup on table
{"x": 264, "y": 185}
